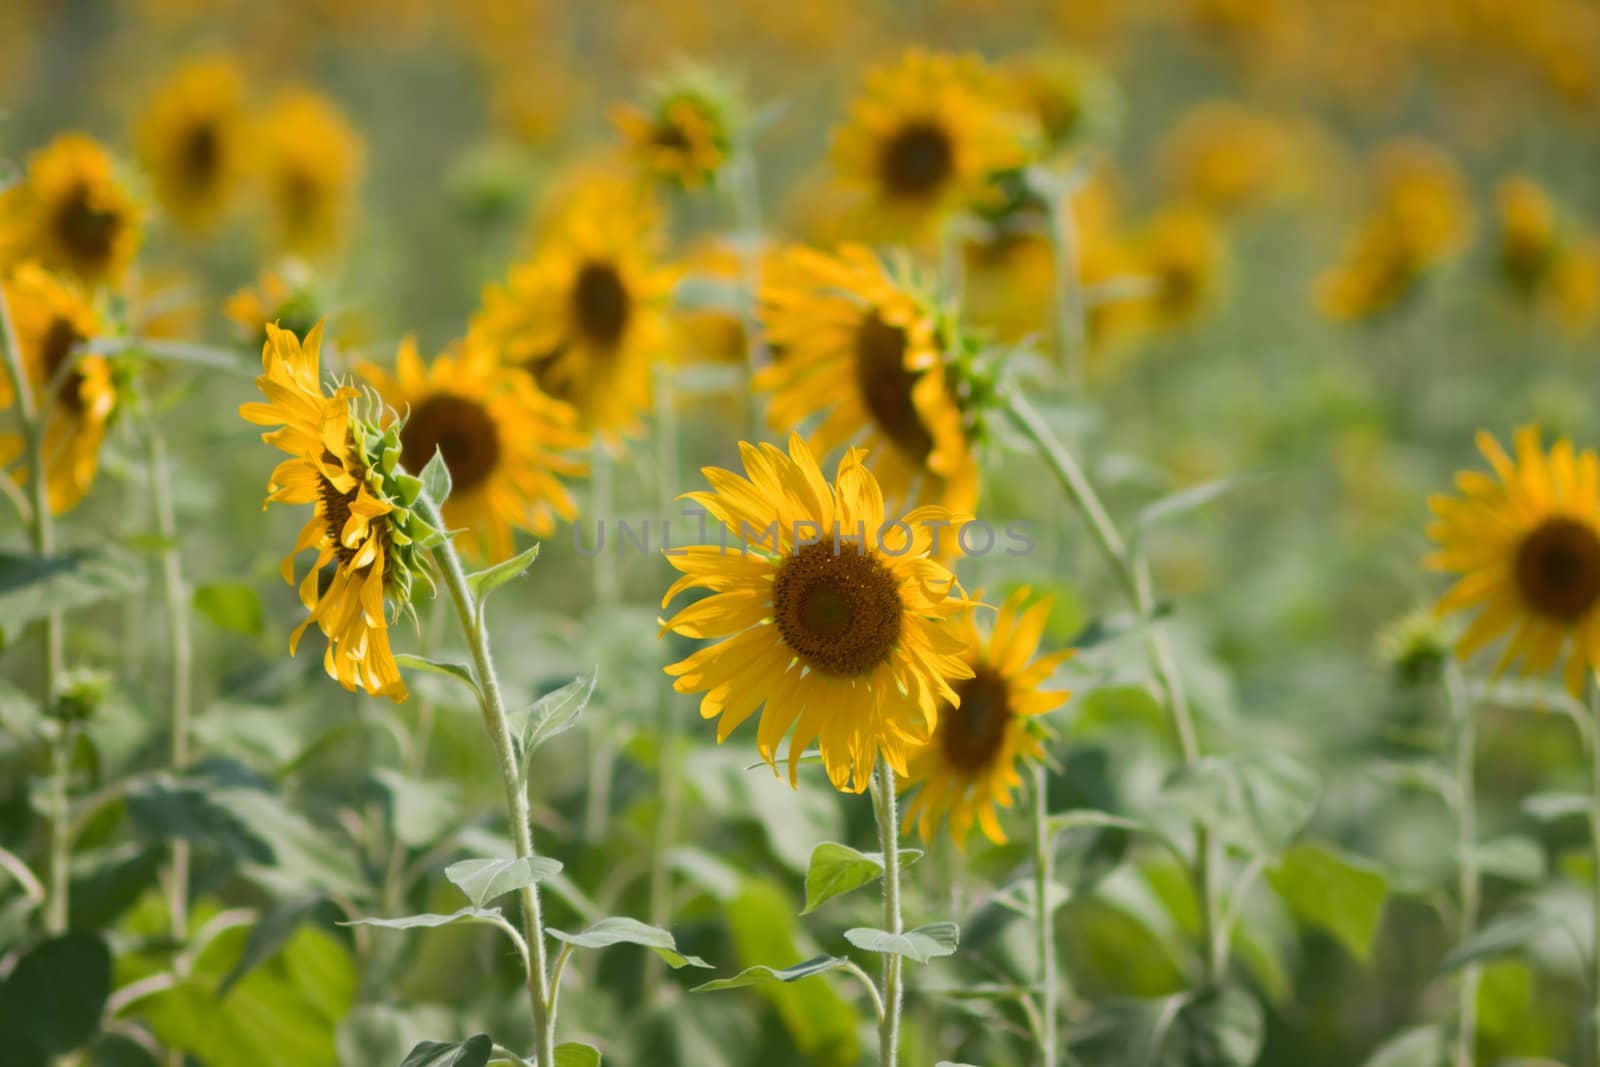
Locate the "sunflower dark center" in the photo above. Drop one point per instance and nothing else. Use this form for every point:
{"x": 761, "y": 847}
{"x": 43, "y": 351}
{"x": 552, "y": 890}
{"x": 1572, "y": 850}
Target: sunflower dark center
{"x": 301, "y": 196}
{"x": 886, "y": 385}
{"x": 840, "y": 614}
{"x": 201, "y": 154}
{"x": 89, "y": 231}
{"x": 56, "y": 349}
{"x": 973, "y": 734}
{"x": 917, "y": 160}
{"x": 600, "y": 303}
{"x": 336, "y": 510}
{"x": 463, "y": 433}
{"x": 1558, "y": 568}
{"x": 668, "y": 134}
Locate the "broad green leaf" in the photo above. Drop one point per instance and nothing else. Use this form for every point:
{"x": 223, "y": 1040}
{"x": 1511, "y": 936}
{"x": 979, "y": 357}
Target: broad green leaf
{"x": 32, "y": 587}
{"x": 231, "y": 605}
{"x": 422, "y": 811}
{"x": 268, "y": 935}
{"x": 1219, "y": 1028}
{"x": 574, "y": 1054}
{"x": 555, "y": 713}
{"x": 473, "y": 1052}
{"x": 762, "y": 975}
{"x": 922, "y": 944}
{"x": 1222, "y": 1028}
{"x": 380, "y": 1035}
{"x": 302, "y": 854}
{"x": 1187, "y": 500}
{"x": 1548, "y": 807}
{"x": 428, "y": 920}
{"x": 486, "y": 581}
{"x": 837, "y": 869}
{"x": 1334, "y": 891}
{"x": 1085, "y": 855}
{"x": 1512, "y": 931}
{"x": 52, "y": 1000}
{"x": 1256, "y": 802}
{"x": 1514, "y": 858}
{"x": 107, "y": 882}
{"x": 1421, "y": 1046}
{"x": 436, "y": 479}
{"x": 620, "y": 930}
{"x": 459, "y": 671}
{"x": 486, "y": 880}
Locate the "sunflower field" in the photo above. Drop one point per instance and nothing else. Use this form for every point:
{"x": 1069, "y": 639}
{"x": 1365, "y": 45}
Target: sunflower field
{"x": 927, "y": 533}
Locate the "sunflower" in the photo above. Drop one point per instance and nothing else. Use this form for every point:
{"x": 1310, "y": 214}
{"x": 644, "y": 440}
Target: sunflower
{"x": 1528, "y": 237}
{"x": 1225, "y": 158}
{"x": 353, "y": 527}
{"x": 1527, "y": 546}
{"x": 311, "y": 161}
{"x": 286, "y": 296}
{"x": 71, "y": 213}
{"x": 685, "y": 131}
{"x": 854, "y": 646}
{"x": 1181, "y": 250}
{"x": 925, "y": 138}
{"x": 51, "y": 317}
{"x": 501, "y": 438}
{"x": 872, "y": 352}
{"x": 588, "y": 314}
{"x": 192, "y": 141}
{"x": 970, "y": 766}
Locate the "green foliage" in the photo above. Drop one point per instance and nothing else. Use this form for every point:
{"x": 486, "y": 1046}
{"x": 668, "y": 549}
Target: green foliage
{"x": 619, "y": 930}
{"x": 231, "y": 605}
{"x": 836, "y": 869}
{"x": 1332, "y": 890}
{"x": 922, "y": 944}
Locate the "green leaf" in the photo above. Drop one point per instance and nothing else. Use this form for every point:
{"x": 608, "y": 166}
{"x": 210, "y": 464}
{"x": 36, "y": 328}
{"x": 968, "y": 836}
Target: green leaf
{"x": 268, "y": 936}
{"x": 428, "y": 920}
{"x": 555, "y": 713}
{"x": 1514, "y": 858}
{"x": 1333, "y": 891}
{"x": 1255, "y": 802}
{"x": 1421, "y": 1046}
{"x": 620, "y": 930}
{"x": 575, "y": 1054}
{"x": 763, "y": 975}
{"x": 32, "y": 587}
{"x": 1187, "y": 500}
{"x": 1514, "y": 930}
{"x": 52, "y": 1001}
{"x": 421, "y": 811}
{"x": 1222, "y": 1028}
{"x": 231, "y": 605}
{"x": 484, "y": 582}
{"x": 458, "y": 671}
{"x": 486, "y": 880}
{"x": 1548, "y": 807}
{"x": 922, "y": 944}
{"x": 473, "y": 1052}
{"x": 836, "y": 869}
{"x": 436, "y": 479}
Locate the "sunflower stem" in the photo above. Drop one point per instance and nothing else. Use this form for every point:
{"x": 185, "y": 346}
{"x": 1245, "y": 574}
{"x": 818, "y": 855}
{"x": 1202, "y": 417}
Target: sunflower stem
{"x": 883, "y": 808}
{"x": 1071, "y": 325}
{"x": 1043, "y": 875}
{"x": 1461, "y": 716}
{"x": 31, "y": 416}
{"x": 176, "y": 595}
{"x": 745, "y": 193}
{"x": 1133, "y": 573}
{"x": 1593, "y": 734}
{"x": 492, "y": 703}
{"x": 606, "y": 593}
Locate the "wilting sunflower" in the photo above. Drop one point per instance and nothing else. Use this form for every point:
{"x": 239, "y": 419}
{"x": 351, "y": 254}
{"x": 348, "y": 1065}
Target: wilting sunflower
{"x": 686, "y": 129}
{"x": 71, "y": 213}
{"x": 311, "y": 159}
{"x": 853, "y": 647}
{"x": 364, "y": 536}
{"x": 872, "y": 352}
{"x": 1527, "y": 546}
{"x": 970, "y": 766}
{"x": 503, "y": 441}
{"x": 192, "y": 141}
{"x": 51, "y": 317}
{"x": 588, "y": 315}
{"x": 925, "y": 138}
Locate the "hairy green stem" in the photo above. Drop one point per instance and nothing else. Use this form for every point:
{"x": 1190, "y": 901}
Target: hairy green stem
{"x": 1133, "y": 575}
{"x": 1461, "y": 715}
{"x": 1043, "y": 875}
{"x": 883, "y": 807}
{"x": 32, "y": 414}
{"x": 492, "y": 703}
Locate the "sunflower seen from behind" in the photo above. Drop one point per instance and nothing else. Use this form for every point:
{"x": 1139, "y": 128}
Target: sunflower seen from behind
{"x": 837, "y": 628}
{"x": 52, "y": 317}
{"x": 685, "y": 130}
{"x": 72, "y": 213}
{"x": 587, "y": 316}
{"x": 868, "y": 351}
{"x": 1525, "y": 542}
{"x": 193, "y": 141}
{"x": 310, "y": 159}
{"x": 505, "y": 443}
{"x": 366, "y": 539}
{"x": 969, "y": 769}
{"x": 924, "y": 138}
